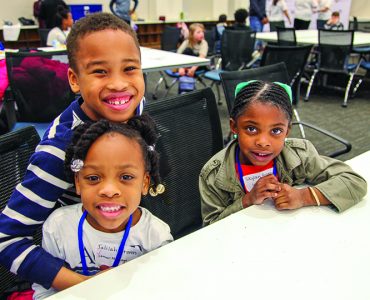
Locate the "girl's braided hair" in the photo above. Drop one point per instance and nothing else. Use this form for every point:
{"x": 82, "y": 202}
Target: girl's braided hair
{"x": 139, "y": 128}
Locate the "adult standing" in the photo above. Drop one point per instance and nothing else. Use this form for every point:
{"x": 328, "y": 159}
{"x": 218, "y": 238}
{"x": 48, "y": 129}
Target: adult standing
{"x": 303, "y": 13}
{"x": 257, "y": 14}
{"x": 324, "y": 13}
{"x": 278, "y": 10}
{"x": 121, "y": 8}
{"x": 49, "y": 10}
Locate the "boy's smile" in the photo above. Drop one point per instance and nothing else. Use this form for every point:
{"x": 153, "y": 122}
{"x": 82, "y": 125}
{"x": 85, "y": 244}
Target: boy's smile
{"x": 262, "y": 129}
{"x": 108, "y": 75}
{"x": 112, "y": 181}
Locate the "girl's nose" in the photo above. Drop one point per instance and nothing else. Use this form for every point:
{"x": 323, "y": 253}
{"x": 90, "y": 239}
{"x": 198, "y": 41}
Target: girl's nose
{"x": 109, "y": 190}
{"x": 263, "y": 141}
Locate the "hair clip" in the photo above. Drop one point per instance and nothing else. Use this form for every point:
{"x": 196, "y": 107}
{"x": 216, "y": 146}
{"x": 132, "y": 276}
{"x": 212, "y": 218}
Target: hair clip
{"x": 159, "y": 190}
{"x": 242, "y": 85}
{"x": 151, "y": 148}
{"x": 77, "y": 165}
{"x": 287, "y": 88}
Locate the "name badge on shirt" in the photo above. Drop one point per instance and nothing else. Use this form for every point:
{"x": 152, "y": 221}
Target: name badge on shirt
{"x": 251, "y": 179}
{"x": 106, "y": 253}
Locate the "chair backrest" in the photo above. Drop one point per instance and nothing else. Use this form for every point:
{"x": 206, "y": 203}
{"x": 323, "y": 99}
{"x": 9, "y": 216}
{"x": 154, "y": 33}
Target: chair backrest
{"x": 363, "y": 26}
{"x": 189, "y": 135}
{"x": 210, "y": 37}
{"x": 170, "y": 38}
{"x": 286, "y": 36}
{"x": 334, "y": 47}
{"x": 39, "y": 84}
{"x": 16, "y": 148}
{"x": 237, "y": 47}
{"x": 295, "y": 58}
{"x": 276, "y": 72}
{"x": 43, "y": 33}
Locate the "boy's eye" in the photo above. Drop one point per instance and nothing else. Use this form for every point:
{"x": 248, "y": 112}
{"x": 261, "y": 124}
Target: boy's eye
{"x": 92, "y": 178}
{"x": 126, "y": 177}
{"x": 277, "y": 131}
{"x": 99, "y": 71}
{"x": 130, "y": 68}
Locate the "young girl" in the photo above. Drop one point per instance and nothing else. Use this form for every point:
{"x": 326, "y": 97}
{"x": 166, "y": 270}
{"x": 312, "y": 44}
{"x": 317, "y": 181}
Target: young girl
{"x": 58, "y": 35}
{"x": 261, "y": 164}
{"x": 112, "y": 165}
{"x": 278, "y": 10}
{"x": 195, "y": 45}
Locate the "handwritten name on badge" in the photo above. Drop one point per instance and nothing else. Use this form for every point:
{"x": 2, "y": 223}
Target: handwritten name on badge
{"x": 251, "y": 179}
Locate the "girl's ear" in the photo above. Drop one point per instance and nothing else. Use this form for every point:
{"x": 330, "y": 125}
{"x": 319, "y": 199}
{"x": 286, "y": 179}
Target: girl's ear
{"x": 146, "y": 183}
{"x": 77, "y": 184}
{"x": 233, "y": 127}
{"x": 73, "y": 81}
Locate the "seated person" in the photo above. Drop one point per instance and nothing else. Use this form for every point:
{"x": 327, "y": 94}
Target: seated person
{"x": 240, "y": 16}
{"x": 109, "y": 224}
{"x": 261, "y": 164}
{"x": 58, "y": 35}
{"x": 334, "y": 22}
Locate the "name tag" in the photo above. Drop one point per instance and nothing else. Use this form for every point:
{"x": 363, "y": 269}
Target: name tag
{"x": 106, "y": 254}
{"x": 251, "y": 179}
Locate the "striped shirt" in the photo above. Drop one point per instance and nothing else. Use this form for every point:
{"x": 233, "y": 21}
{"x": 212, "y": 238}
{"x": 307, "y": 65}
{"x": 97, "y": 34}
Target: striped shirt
{"x": 34, "y": 199}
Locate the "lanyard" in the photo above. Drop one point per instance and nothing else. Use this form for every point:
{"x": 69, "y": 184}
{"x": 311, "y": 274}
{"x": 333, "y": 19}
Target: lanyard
{"x": 81, "y": 243}
{"x": 240, "y": 171}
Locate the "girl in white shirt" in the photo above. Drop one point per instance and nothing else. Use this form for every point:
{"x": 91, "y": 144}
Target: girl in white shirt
{"x": 303, "y": 13}
{"x": 278, "y": 10}
{"x": 58, "y": 35}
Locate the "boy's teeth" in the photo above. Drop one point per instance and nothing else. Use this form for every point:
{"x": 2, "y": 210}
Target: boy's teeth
{"x": 117, "y": 102}
{"x": 109, "y": 208}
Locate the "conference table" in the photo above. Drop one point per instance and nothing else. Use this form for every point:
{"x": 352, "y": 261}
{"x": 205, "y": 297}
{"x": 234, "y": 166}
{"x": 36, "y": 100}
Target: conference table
{"x": 306, "y": 37}
{"x": 256, "y": 253}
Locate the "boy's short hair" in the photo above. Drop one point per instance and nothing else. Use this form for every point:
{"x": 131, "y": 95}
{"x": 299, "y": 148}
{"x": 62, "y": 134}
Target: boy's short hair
{"x": 222, "y": 18}
{"x": 241, "y": 15}
{"x": 93, "y": 23}
{"x": 335, "y": 14}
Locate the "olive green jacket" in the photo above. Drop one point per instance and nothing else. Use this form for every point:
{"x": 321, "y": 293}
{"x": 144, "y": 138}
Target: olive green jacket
{"x": 297, "y": 164}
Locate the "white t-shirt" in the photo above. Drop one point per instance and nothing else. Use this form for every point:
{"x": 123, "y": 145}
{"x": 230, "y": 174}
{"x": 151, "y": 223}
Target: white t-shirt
{"x": 324, "y": 15}
{"x": 277, "y": 11}
{"x": 57, "y": 34}
{"x": 60, "y": 239}
{"x": 304, "y": 9}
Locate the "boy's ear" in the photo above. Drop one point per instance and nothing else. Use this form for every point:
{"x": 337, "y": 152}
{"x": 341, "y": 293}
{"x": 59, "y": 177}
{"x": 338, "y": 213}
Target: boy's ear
{"x": 146, "y": 183}
{"x": 77, "y": 184}
{"x": 233, "y": 126}
{"x": 73, "y": 81}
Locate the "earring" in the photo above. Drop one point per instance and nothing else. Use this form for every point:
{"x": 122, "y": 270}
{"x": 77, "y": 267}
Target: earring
{"x": 235, "y": 136}
{"x": 156, "y": 191}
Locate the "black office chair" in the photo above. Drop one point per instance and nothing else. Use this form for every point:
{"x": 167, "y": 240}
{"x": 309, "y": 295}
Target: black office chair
{"x": 324, "y": 140}
{"x": 189, "y": 134}
{"x": 334, "y": 51}
{"x": 39, "y": 89}
{"x": 210, "y": 37}
{"x": 237, "y": 47}
{"x": 16, "y": 149}
{"x": 43, "y": 33}
{"x": 363, "y": 26}
{"x": 286, "y": 36}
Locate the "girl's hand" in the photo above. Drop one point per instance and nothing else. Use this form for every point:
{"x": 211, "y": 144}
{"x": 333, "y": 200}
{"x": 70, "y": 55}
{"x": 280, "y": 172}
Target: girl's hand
{"x": 191, "y": 71}
{"x": 290, "y": 197}
{"x": 266, "y": 187}
{"x": 182, "y": 71}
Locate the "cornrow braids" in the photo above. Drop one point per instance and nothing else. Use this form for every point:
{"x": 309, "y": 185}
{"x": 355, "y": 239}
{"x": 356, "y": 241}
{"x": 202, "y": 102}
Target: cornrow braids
{"x": 139, "y": 128}
{"x": 263, "y": 92}
{"x": 93, "y": 23}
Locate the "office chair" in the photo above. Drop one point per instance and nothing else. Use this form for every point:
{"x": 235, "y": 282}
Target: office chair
{"x": 38, "y": 88}
{"x": 16, "y": 148}
{"x": 237, "y": 47}
{"x": 189, "y": 135}
{"x": 334, "y": 50}
{"x": 275, "y": 24}
{"x": 364, "y": 26}
{"x": 43, "y": 33}
{"x": 286, "y": 36}
{"x": 279, "y": 72}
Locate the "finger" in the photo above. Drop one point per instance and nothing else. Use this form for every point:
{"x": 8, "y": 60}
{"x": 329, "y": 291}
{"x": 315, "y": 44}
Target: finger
{"x": 283, "y": 206}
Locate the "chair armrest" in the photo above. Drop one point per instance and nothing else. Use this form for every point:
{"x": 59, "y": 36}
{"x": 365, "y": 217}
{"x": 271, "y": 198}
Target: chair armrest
{"x": 347, "y": 145}
{"x": 8, "y": 112}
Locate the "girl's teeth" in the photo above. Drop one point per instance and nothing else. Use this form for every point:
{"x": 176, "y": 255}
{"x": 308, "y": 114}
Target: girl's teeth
{"x": 109, "y": 208}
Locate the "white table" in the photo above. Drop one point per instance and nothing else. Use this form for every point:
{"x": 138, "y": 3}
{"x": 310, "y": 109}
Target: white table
{"x": 257, "y": 253}
{"x": 311, "y": 37}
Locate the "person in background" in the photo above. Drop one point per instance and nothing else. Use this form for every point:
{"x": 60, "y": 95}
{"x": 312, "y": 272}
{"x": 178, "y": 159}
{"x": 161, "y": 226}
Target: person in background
{"x": 324, "y": 13}
{"x": 303, "y": 13}
{"x": 334, "y": 22}
{"x": 36, "y": 13}
{"x": 111, "y": 191}
{"x": 278, "y": 10}
{"x": 262, "y": 165}
{"x": 48, "y": 11}
{"x": 257, "y": 15}
{"x": 105, "y": 72}
{"x": 121, "y": 8}
{"x": 58, "y": 35}
{"x": 220, "y": 27}
{"x": 240, "y": 16}
{"x": 195, "y": 45}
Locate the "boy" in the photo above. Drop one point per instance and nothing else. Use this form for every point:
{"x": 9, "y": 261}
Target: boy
{"x": 105, "y": 68}
{"x": 334, "y": 22}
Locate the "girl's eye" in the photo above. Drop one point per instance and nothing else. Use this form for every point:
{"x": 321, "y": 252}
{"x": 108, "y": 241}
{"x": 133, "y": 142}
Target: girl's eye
{"x": 251, "y": 129}
{"x": 126, "y": 177}
{"x": 92, "y": 178}
{"x": 277, "y": 131}
{"x": 99, "y": 71}
{"x": 130, "y": 68}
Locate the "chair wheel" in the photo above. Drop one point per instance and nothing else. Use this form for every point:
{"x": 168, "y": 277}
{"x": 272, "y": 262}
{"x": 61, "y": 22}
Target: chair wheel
{"x": 219, "y": 102}
{"x": 344, "y": 105}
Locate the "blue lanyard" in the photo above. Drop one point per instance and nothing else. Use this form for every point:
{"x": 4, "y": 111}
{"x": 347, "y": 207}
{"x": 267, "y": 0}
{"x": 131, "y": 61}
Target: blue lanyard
{"x": 81, "y": 243}
{"x": 240, "y": 171}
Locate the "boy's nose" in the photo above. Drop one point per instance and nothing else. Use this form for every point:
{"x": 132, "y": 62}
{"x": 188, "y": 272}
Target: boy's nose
{"x": 109, "y": 190}
{"x": 117, "y": 83}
